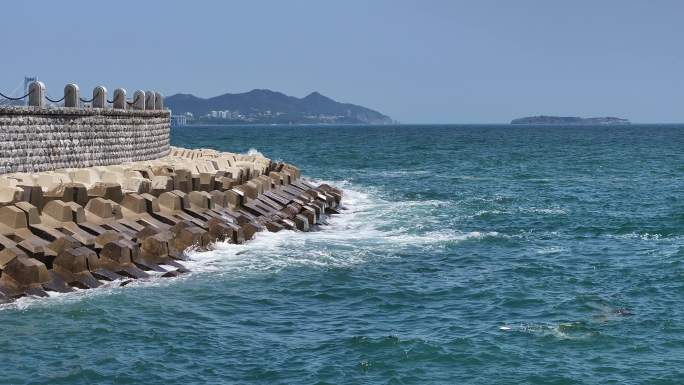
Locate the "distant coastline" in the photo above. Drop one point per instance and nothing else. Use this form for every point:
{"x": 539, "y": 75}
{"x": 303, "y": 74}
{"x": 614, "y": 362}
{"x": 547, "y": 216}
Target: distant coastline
{"x": 570, "y": 120}
{"x": 268, "y": 107}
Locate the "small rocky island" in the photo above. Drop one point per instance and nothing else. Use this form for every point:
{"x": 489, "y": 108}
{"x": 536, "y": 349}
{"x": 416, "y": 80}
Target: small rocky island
{"x": 573, "y": 120}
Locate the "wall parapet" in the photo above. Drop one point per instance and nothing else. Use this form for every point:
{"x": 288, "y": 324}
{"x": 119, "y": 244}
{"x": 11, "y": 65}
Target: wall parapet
{"x": 34, "y": 139}
{"x": 79, "y": 111}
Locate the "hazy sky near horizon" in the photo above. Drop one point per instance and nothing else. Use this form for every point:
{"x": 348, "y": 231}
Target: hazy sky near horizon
{"x": 418, "y": 61}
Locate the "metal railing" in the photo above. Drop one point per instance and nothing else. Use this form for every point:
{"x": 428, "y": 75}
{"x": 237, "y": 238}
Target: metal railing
{"x": 37, "y": 97}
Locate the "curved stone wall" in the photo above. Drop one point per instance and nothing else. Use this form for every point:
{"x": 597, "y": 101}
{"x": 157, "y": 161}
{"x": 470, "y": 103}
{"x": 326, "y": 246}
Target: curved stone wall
{"x": 33, "y": 139}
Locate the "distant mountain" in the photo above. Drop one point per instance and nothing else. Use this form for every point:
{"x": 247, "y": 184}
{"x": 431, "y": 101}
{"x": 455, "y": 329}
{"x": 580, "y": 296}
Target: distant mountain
{"x": 572, "y": 120}
{"x": 266, "y": 106}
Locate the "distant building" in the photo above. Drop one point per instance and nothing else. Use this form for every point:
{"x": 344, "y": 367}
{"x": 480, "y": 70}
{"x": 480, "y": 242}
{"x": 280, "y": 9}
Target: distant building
{"x": 179, "y": 120}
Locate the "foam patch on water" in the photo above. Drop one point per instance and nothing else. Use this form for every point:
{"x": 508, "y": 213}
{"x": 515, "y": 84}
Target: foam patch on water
{"x": 438, "y": 237}
{"x": 401, "y": 173}
{"x": 419, "y": 204}
{"x": 253, "y": 151}
{"x": 641, "y": 236}
{"x": 55, "y": 298}
{"x": 551, "y": 250}
{"x": 549, "y": 211}
{"x": 483, "y": 213}
{"x": 338, "y": 243}
{"x": 559, "y": 330}
{"x": 524, "y": 210}
{"x": 368, "y": 226}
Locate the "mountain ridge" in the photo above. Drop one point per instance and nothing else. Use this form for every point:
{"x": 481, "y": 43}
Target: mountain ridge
{"x": 267, "y": 106}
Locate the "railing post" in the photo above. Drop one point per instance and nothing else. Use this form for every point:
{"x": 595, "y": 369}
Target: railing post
{"x": 119, "y": 99}
{"x": 72, "y": 95}
{"x": 37, "y": 94}
{"x": 139, "y": 100}
{"x": 99, "y": 97}
{"x": 158, "y": 101}
{"x": 149, "y": 100}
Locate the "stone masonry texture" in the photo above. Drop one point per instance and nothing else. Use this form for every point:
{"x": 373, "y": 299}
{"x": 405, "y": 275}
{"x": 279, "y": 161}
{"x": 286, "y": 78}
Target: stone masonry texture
{"x": 33, "y": 139}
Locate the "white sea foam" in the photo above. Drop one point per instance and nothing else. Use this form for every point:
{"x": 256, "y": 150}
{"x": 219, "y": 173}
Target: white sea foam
{"x": 253, "y": 151}
{"x": 551, "y": 250}
{"x": 402, "y": 239}
{"x": 490, "y": 212}
{"x": 559, "y": 330}
{"x": 425, "y": 204}
{"x": 54, "y": 298}
{"x": 338, "y": 243}
{"x": 551, "y": 211}
{"x": 402, "y": 173}
{"x": 642, "y": 236}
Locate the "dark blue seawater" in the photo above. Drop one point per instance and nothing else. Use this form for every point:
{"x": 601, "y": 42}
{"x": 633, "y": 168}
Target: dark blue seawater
{"x": 467, "y": 255}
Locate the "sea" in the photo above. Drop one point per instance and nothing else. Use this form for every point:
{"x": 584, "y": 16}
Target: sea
{"x": 465, "y": 254}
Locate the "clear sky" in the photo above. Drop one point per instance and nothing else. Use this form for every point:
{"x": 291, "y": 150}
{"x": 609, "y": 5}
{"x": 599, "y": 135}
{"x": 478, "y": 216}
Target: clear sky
{"x": 475, "y": 61}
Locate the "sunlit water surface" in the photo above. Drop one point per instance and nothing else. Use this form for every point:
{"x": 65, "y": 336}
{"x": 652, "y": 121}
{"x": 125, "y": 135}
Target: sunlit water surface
{"x": 466, "y": 254}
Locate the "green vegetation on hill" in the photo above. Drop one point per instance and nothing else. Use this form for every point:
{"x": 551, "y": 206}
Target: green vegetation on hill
{"x": 265, "y": 106}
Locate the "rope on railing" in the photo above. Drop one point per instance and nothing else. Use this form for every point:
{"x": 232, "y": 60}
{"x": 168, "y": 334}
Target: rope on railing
{"x": 13, "y": 99}
{"x": 134, "y": 100}
{"x": 64, "y": 97}
{"x": 54, "y": 101}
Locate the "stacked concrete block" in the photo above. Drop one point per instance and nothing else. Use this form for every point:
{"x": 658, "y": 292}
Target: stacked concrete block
{"x": 76, "y": 227}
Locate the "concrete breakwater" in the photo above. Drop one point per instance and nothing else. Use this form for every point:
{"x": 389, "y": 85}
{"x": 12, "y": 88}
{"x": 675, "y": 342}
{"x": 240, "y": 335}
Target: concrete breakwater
{"x": 77, "y": 227}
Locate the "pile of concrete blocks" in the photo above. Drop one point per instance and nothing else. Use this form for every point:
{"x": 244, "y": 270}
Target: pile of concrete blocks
{"x": 79, "y": 227}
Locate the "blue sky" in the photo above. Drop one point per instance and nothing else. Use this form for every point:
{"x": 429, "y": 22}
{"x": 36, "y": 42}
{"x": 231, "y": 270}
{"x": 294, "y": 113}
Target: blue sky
{"x": 417, "y": 61}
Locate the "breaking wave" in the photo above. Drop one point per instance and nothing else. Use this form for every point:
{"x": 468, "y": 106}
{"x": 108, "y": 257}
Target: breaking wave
{"x": 253, "y": 151}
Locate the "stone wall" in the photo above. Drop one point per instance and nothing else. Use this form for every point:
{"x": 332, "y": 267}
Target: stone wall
{"x": 40, "y": 139}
